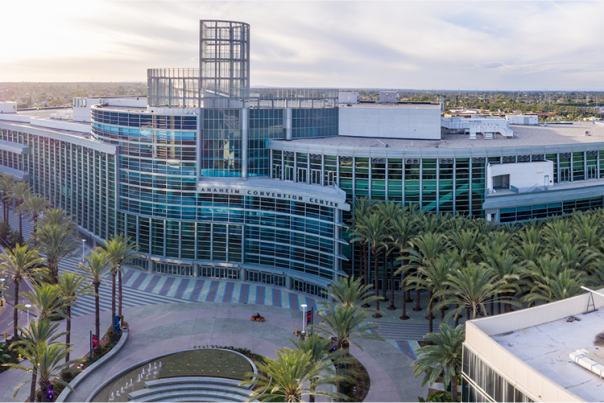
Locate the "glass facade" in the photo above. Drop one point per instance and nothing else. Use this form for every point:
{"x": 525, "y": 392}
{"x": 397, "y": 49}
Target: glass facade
{"x": 480, "y": 383}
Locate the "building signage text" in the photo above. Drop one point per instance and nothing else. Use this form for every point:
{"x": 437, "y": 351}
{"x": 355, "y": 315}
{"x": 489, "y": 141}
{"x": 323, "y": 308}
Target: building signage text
{"x": 276, "y": 195}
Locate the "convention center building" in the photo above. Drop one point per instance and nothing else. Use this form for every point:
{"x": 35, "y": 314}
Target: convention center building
{"x": 214, "y": 178}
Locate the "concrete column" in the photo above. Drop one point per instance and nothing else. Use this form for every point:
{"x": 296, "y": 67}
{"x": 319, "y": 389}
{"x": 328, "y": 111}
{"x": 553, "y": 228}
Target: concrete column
{"x": 287, "y": 122}
{"x": 195, "y": 270}
{"x": 241, "y": 273}
{"x": 288, "y": 281}
{"x": 151, "y": 266}
{"x": 245, "y": 120}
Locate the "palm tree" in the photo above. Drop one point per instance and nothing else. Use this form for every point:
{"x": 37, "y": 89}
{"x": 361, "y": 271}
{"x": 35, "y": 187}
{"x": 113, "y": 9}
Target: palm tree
{"x": 376, "y": 234}
{"x": 38, "y": 331}
{"x": 58, "y": 216}
{"x": 425, "y": 249}
{"x": 362, "y": 208}
{"x": 33, "y": 206}
{"x": 403, "y": 230}
{"x": 345, "y": 325}
{"x": 19, "y": 263}
{"x": 471, "y": 287}
{"x": 442, "y": 358}
{"x": 319, "y": 349}
{"x": 292, "y": 376}
{"x": 72, "y": 286}
{"x": 96, "y": 268}
{"x": 46, "y": 300}
{"x": 19, "y": 194}
{"x": 565, "y": 285}
{"x": 433, "y": 277}
{"x": 349, "y": 292}
{"x": 120, "y": 251}
{"x": 505, "y": 268}
{"x": 390, "y": 212}
{"x": 7, "y": 182}
{"x": 48, "y": 358}
{"x": 56, "y": 243}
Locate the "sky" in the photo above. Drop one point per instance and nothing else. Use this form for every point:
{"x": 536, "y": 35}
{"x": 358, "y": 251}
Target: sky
{"x": 483, "y": 45}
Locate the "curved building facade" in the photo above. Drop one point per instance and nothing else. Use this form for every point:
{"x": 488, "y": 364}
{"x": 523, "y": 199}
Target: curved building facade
{"x": 213, "y": 178}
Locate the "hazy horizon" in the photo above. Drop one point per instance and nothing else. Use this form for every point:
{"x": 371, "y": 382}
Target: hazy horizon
{"x": 422, "y": 46}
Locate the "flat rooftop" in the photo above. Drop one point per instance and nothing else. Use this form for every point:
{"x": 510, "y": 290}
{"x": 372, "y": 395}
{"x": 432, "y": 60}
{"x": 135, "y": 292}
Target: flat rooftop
{"x": 41, "y": 119}
{"x": 390, "y": 105}
{"x": 546, "y": 348}
{"x": 523, "y": 136}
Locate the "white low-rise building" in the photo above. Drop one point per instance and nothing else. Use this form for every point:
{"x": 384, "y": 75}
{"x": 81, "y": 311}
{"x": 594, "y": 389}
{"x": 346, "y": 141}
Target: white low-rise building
{"x": 549, "y": 353}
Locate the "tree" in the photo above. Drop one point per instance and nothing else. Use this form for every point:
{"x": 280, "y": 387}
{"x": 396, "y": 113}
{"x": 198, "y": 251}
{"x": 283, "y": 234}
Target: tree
{"x": 362, "y": 209}
{"x": 57, "y": 243}
{"x": 389, "y": 212}
{"x": 36, "y": 332}
{"x": 345, "y": 325}
{"x": 471, "y": 287}
{"x": 7, "y": 182}
{"x": 58, "y": 216}
{"x": 20, "y": 263}
{"x": 319, "y": 349}
{"x": 550, "y": 289}
{"x": 443, "y": 358}
{"x": 45, "y": 300}
{"x": 425, "y": 248}
{"x": 402, "y": 231}
{"x": 96, "y": 268}
{"x": 292, "y": 376}
{"x": 48, "y": 358}
{"x": 376, "y": 233}
{"x": 349, "y": 292}
{"x": 33, "y": 206}
{"x": 72, "y": 287}
{"x": 120, "y": 251}
{"x": 19, "y": 194}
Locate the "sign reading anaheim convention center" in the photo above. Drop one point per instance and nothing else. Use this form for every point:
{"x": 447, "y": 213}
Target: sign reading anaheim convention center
{"x": 275, "y": 195}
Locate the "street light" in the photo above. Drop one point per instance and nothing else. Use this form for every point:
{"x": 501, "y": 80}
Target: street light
{"x": 28, "y": 306}
{"x": 304, "y": 306}
{"x": 83, "y": 243}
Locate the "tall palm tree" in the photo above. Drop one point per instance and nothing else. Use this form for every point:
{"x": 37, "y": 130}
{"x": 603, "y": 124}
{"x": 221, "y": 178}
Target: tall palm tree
{"x": 19, "y": 193}
{"x": 33, "y": 206}
{"x": 58, "y": 216}
{"x": 96, "y": 268}
{"x": 442, "y": 358}
{"x": 425, "y": 249}
{"x": 46, "y": 301}
{"x": 362, "y": 209}
{"x": 72, "y": 287}
{"x": 120, "y": 251}
{"x": 38, "y": 331}
{"x": 505, "y": 268}
{"x": 565, "y": 285}
{"x": 346, "y": 325}
{"x": 471, "y": 288}
{"x": 7, "y": 182}
{"x": 48, "y": 358}
{"x": 376, "y": 234}
{"x": 291, "y": 377}
{"x": 390, "y": 212}
{"x": 319, "y": 349}
{"x": 19, "y": 263}
{"x": 56, "y": 243}
{"x": 434, "y": 277}
{"x": 403, "y": 230}
{"x": 349, "y": 292}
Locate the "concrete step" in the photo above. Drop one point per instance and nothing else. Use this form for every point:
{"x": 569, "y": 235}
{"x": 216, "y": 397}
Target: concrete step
{"x": 206, "y": 395}
{"x": 192, "y": 387}
{"x": 191, "y": 379}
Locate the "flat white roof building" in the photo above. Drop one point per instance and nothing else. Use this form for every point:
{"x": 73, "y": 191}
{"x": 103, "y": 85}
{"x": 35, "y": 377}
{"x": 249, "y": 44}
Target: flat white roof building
{"x": 537, "y": 354}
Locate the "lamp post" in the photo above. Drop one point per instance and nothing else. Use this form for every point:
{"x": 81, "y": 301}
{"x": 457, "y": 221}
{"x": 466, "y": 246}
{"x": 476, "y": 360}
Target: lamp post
{"x": 304, "y": 306}
{"x": 2, "y": 280}
{"x": 28, "y": 306}
{"x": 83, "y": 243}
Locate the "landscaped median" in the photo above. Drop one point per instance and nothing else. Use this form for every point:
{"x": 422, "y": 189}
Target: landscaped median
{"x": 96, "y": 364}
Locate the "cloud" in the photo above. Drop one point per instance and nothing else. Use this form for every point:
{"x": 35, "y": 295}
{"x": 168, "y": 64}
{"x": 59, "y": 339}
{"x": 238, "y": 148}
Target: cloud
{"x": 404, "y": 44}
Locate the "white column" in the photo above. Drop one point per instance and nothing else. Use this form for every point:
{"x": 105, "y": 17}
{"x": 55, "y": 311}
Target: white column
{"x": 245, "y": 113}
{"x": 287, "y": 122}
